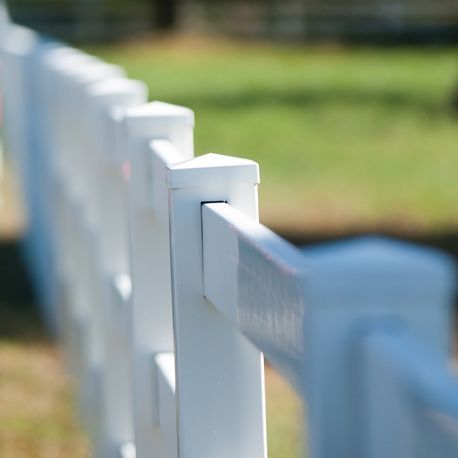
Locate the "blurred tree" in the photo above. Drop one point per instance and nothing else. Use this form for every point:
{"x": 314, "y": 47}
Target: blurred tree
{"x": 165, "y": 14}
{"x": 4, "y": 15}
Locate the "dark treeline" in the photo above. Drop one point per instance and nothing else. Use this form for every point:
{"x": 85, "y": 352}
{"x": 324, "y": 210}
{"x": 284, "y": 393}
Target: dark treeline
{"x": 394, "y": 21}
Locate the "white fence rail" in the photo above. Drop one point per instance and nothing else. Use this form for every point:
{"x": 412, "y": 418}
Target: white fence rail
{"x": 167, "y": 293}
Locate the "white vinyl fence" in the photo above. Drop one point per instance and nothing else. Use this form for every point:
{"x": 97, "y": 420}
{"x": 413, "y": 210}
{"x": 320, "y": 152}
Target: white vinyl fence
{"x": 167, "y": 293}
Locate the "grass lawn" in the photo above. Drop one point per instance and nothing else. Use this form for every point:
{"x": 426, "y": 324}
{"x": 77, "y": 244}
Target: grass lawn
{"x": 354, "y": 137}
{"x": 37, "y": 409}
{"x": 37, "y": 415}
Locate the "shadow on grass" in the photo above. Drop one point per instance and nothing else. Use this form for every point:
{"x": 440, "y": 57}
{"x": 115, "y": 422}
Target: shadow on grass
{"x": 19, "y": 316}
{"x": 388, "y": 98}
{"x": 446, "y": 241}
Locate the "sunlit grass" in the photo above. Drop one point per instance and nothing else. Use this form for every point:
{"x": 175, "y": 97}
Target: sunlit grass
{"x": 344, "y": 137}
{"x": 37, "y": 412}
{"x": 285, "y": 428}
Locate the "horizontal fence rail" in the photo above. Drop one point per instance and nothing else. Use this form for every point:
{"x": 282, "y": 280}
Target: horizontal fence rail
{"x": 167, "y": 293}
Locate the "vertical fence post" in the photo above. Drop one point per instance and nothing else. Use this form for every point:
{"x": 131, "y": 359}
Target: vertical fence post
{"x": 54, "y": 102}
{"x": 108, "y": 217}
{"x": 410, "y": 397}
{"x": 150, "y": 257}
{"x": 219, "y": 374}
{"x": 52, "y": 64}
{"x": 38, "y": 234}
{"x": 21, "y": 49}
{"x": 86, "y": 344}
{"x": 351, "y": 288}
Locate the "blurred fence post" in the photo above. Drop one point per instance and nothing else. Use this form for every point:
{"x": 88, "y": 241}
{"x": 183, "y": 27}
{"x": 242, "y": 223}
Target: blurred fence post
{"x": 350, "y": 289}
{"x": 107, "y": 214}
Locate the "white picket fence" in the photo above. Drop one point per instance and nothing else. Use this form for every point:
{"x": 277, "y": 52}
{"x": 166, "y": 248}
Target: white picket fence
{"x": 167, "y": 293}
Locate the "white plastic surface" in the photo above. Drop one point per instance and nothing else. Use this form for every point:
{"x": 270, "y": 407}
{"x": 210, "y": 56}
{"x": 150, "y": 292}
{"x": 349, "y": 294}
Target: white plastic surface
{"x": 150, "y": 250}
{"x": 411, "y": 394}
{"x": 219, "y": 373}
{"x": 164, "y": 367}
{"x": 256, "y": 279}
{"x": 306, "y": 310}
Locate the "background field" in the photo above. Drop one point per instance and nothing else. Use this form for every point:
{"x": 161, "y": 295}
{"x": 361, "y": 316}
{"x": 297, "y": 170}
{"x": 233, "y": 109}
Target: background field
{"x": 344, "y": 137}
{"x": 347, "y": 139}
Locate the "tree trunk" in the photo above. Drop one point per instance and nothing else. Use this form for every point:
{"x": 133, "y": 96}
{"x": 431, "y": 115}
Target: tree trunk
{"x": 165, "y": 14}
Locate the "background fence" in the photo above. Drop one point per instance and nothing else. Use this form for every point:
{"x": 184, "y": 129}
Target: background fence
{"x": 167, "y": 293}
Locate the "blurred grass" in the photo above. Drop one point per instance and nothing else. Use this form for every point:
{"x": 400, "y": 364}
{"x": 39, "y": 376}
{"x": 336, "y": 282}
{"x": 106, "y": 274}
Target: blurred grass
{"x": 285, "y": 429}
{"x": 37, "y": 412}
{"x": 344, "y": 137}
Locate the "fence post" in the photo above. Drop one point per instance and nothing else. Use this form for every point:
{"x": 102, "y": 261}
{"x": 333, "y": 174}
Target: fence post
{"x": 350, "y": 288}
{"x": 410, "y": 395}
{"x": 71, "y": 85}
{"x": 107, "y": 215}
{"x": 219, "y": 374}
{"x": 150, "y": 257}
{"x": 21, "y": 48}
{"x": 51, "y": 66}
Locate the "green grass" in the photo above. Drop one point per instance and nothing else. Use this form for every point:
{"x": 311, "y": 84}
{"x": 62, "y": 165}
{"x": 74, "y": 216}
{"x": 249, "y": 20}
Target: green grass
{"x": 38, "y": 417}
{"x": 37, "y": 408}
{"x": 37, "y": 414}
{"x": 344, "y": 137}
{"x": 284, "y": 423}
